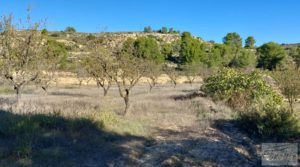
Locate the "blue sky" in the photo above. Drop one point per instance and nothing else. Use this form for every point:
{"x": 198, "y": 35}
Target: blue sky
{"x": 266, "y": 20}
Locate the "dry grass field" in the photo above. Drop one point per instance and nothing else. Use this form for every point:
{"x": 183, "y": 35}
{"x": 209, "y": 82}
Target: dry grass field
{"x": 77, "y": 126}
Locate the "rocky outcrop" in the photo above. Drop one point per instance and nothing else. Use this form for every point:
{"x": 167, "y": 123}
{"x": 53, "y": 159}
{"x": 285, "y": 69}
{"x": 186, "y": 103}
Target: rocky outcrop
{"x": 115, "y": 40}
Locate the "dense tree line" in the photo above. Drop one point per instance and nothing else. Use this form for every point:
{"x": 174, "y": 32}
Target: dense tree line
{"x": 163, "y": 30}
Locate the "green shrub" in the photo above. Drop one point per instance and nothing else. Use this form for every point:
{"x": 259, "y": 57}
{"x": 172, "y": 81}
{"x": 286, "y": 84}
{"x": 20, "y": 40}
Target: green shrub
{"x": 269, "y": 121}
{"x": 245, "y": 58}
{"x": 270, "y": 55}
{"x": 239, "y": 89}
{"x": 260, "y": 109}
{"x": 45, "y": 32}
{"x": 90, "y": 37}
{"x": 70, "y": 29}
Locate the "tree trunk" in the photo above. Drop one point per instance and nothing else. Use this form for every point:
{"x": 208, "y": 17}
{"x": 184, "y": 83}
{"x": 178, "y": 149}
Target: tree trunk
{"x": 17, "y": 88}
{"x": 105, "y": 91}
{"x": 291, "y": 104}
{"x": 56, "y": 83}
{"x": 45, "y": 88}
{"x": 150, "y": 87}
{"x": 80, "y": 83}
{"x": 175, "y": 84}
{"x": 126, "y": 100}
{"x": 88, "y": 81}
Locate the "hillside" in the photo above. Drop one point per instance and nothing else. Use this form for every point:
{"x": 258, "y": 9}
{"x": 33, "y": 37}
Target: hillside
{"x": 77, "y": 42}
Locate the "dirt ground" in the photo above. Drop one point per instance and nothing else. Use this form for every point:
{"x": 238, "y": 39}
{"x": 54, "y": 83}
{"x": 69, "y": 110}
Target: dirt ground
{"x": 166, "y": 127}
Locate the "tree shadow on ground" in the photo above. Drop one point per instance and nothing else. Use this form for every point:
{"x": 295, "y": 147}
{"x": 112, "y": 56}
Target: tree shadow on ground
{"x": 189, "y": 96}
{"x": 59, "y": 93}
{"x": 52, "y": 140}
{"x": 251, "y": 142}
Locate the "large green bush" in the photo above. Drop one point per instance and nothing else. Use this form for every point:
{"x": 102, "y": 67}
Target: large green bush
{"x": 192, "y": 50}
{"x": 267, "y": 120}
{"x": 270, "y": 55}
{"x": 239, "y": 89}
{"x": 260, "y": 109}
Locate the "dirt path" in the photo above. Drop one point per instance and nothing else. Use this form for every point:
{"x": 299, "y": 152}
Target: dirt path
{"x": 191, "y": 146}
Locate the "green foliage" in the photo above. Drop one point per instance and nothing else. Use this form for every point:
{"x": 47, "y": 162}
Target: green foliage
{"x": 270, "y": 55}
{"x": 220, "y": 55}
{"x": 148, "y": 29}
{"x": 145, "y": 48}
{"x": 148, "y": 48}
{"x": 70, "y": 29}
{"x": 171, "y": 51}
{"x": 57, "y": 48}
{"x": 56, "y": 52}
{"x": 192, "y": 50}
{"x": 64, "y": 63}
{"x": 250, "y": 42}
{"x": 230, "y": 55}
{"x": 297, "y": 57}
{"x": 45, "y": 32}
{"x": 233, "y": 39}
{"x": 171, "y": 30}
{"x": 268, "y": 120}
{"x": 289, "y": 83}
{"x": 167, "y": 50}
{"x": 128, "y": 47}
{"x": 215, "y": 57}
{"x": 243, "y": 58}
{"x": 239, "y": 89}
{"x": 295, "y": 54}
{"x": 260, "y": 109}
{"x": 164, "y": 30}
{"x": 90, "y": 37}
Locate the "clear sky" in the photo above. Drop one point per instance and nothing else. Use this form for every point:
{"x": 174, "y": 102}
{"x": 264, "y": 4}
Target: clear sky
{"x": 266, "y": 20}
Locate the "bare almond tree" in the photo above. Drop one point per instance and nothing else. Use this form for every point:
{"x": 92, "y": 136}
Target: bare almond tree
{"x": 81, "y": 73}
{"x": 172, "y": 73}
{"x": 54, "y": 54}
{"x": 153, "y": 71}
{"x": 128, "y": 70}
{"x": 288, "y": 81}
{"x": 192, "y": 71}
{"x": 99, "y": 65}
{"x": 21, "y": 52}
